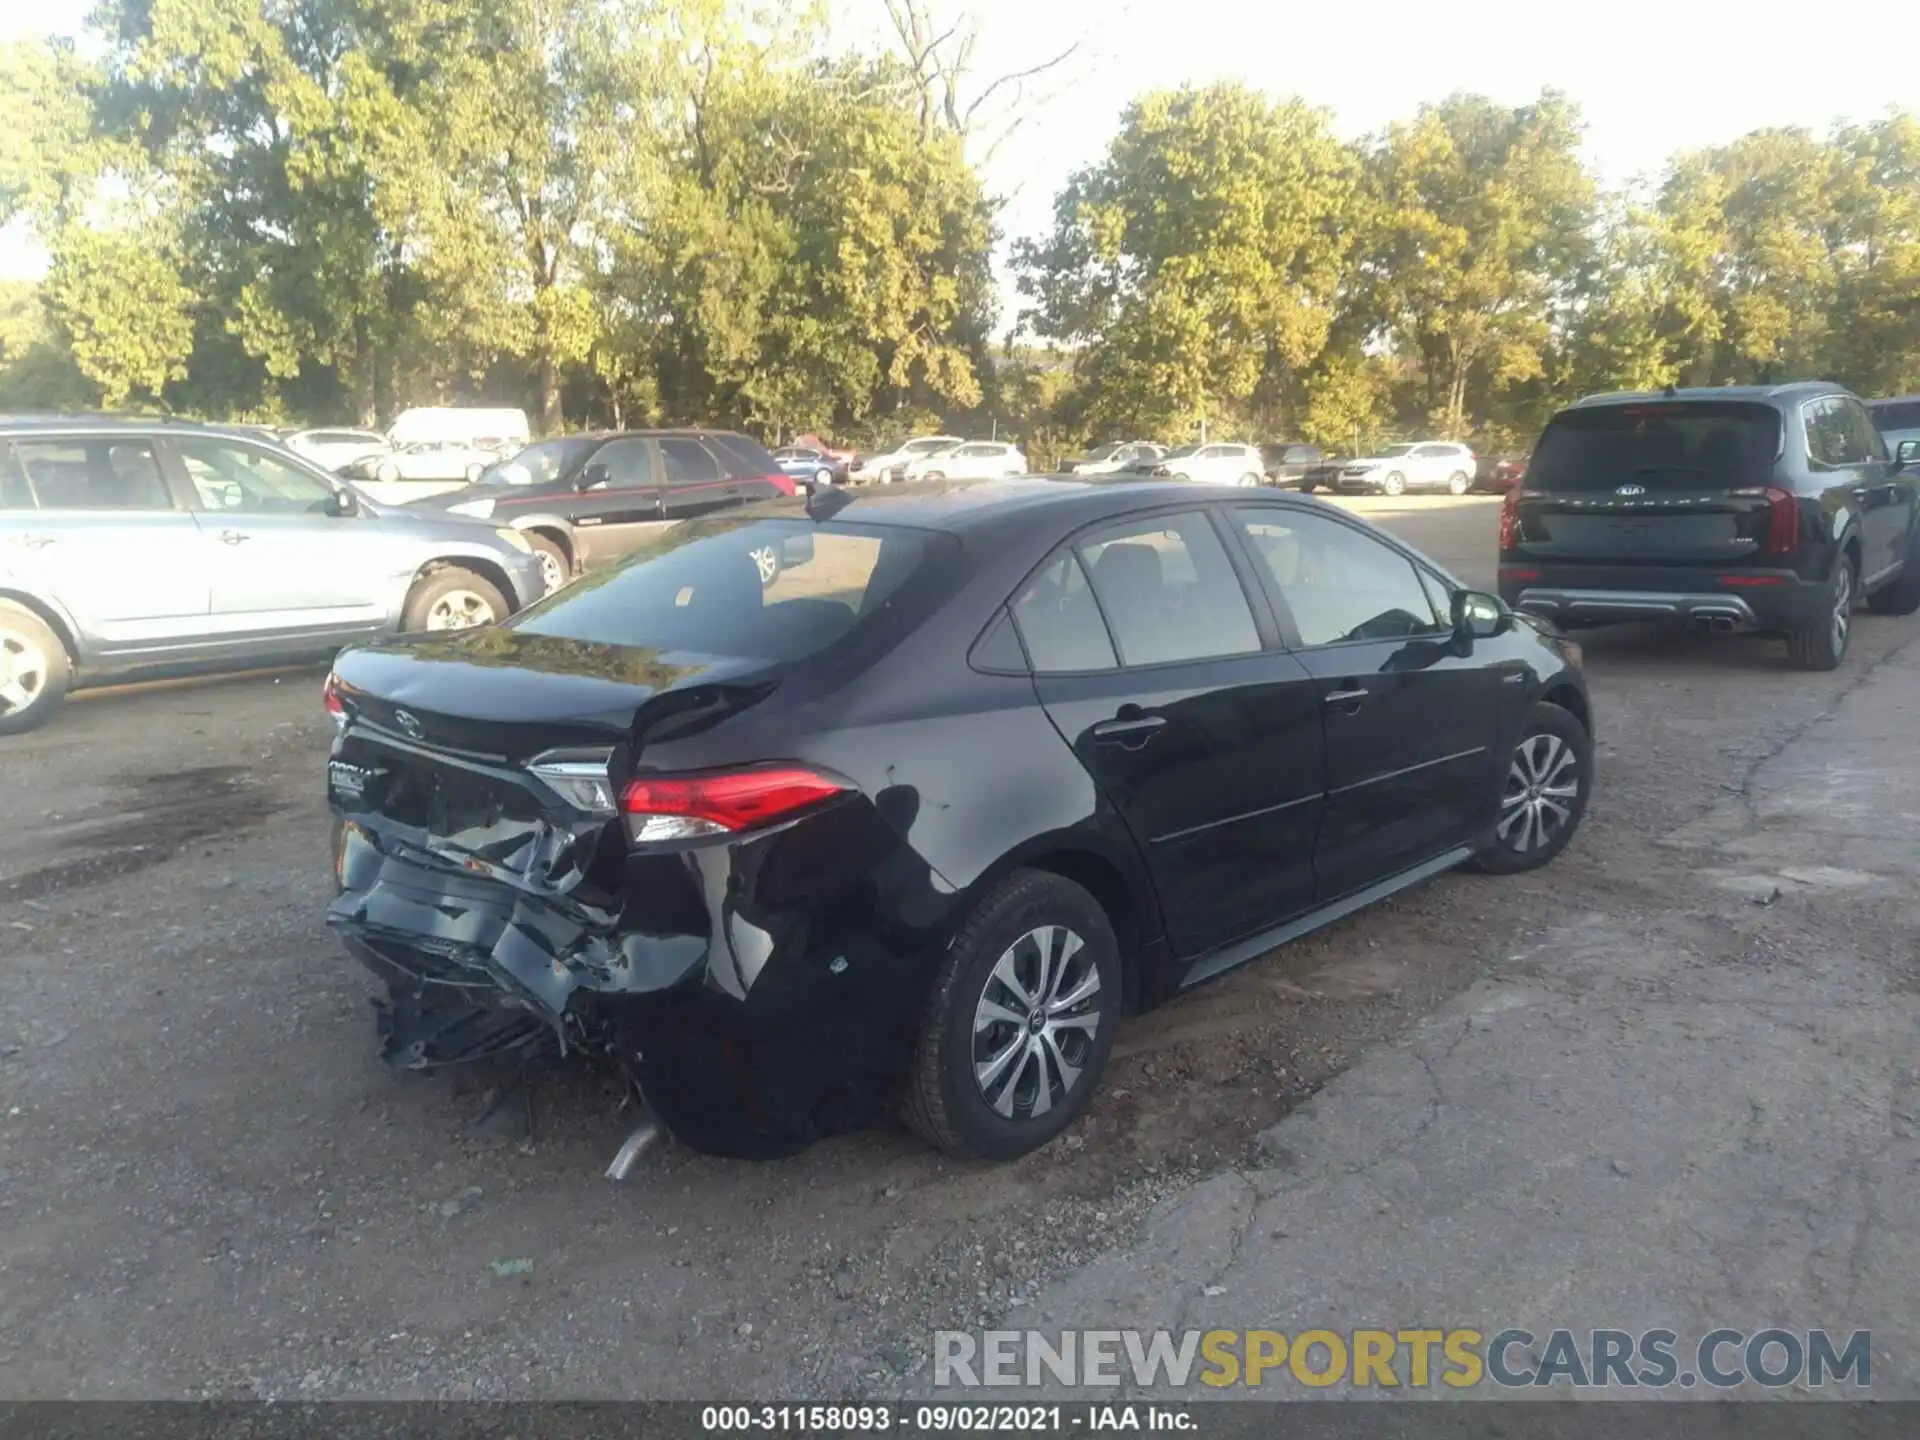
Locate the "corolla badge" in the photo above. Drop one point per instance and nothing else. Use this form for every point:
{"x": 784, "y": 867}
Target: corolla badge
{"x": 409, "y": 724}
{"x": 1630, "y": 490}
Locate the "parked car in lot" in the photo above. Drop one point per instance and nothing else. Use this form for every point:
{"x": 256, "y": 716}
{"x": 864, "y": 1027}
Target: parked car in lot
{"x": 336, "y": 449}
{"x": 810, "y": 466}
{"x": 1216, "y": 464}
{"x": 1288, "y": 465}
{"x": 978, "y": 774}
{"x": 1426, "y": 465}
{"x": 445, "y": 463}
{"x": 886, "y": 467}
{"x": 1898, "y": 422}
{"x": 969, "y": 460}
{"x": 1115, "y": 457}
{"x": 1500, "y": 473}
{"x": 132, "y": 547}
{"x": 1771, "y": 508}
{"x": 585, "y": 499}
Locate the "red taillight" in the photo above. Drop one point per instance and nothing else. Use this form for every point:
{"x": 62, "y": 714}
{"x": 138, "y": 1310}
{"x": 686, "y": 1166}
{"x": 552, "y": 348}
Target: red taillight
{"x": 682, "y": 807}
{"x": 1510, "y": 520}
{"x": 1751, "y": 582}
{"x": 781, "y": 481}
{"x": 335, "y": 706}
{"x": 1509, "y": 572}
{"x": 1783, "y": 518}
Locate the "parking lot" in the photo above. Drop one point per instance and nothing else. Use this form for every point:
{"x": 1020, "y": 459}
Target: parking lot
{"x": 210, "y": 1186}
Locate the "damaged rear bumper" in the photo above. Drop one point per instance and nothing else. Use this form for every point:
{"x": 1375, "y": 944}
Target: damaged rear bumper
{"x": 747, "y": 988}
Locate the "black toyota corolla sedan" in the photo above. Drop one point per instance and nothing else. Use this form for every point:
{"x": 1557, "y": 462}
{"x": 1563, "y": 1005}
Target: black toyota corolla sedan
{"x": 918, "y": 819}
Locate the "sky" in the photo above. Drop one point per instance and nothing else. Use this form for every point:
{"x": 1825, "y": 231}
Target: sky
{"x": 1651, "y": 76}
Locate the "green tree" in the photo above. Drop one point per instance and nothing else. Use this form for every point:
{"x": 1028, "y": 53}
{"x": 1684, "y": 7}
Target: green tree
{"x": 126, "y": 316}
{"x": 1199, "y": 263}
{"x": 1484, "y": 215}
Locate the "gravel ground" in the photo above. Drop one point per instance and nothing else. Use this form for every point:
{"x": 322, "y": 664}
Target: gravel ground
{"x": 210, "y": 1187}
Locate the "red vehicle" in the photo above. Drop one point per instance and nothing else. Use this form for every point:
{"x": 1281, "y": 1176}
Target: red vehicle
{"x": 1500, "y": 473}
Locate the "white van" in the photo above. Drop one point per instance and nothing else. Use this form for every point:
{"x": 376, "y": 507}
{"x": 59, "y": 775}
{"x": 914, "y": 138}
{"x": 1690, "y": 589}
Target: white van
{"x": 484, "y": 429}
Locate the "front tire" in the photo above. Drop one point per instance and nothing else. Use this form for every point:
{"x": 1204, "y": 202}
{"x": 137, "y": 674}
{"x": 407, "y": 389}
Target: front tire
{"x": 453, "y": 599}
{"x": 1543, "y": 792}
{"x": 1821, "y": 644}
{"x": 555, "y": 570}
{"x": 1394, "y": 484}
{"x": 1249, "y": 481}
{"x": 386, "y": 472}
{"x": 1020, "y": 1021}
{"x": 1458, "y": 484}
{"x": 35, "y": 672}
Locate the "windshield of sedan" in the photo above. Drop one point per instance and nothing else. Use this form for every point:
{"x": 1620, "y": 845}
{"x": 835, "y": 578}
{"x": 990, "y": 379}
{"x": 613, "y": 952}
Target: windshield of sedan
{"x": 537, "y": 464}
{"x": 926, "y": 447}
{"x": 1182, "y": 453}
{"x": 1392, "y": 450}
{"x": 769, "y": 589}
{"x": 1101, "y": 453}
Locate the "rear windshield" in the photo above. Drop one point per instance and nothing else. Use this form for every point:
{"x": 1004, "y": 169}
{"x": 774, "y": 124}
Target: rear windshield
{"x": 1685, "y": 445}
{"x": 1896, "y": 414}
{"x": 749, "y": 589}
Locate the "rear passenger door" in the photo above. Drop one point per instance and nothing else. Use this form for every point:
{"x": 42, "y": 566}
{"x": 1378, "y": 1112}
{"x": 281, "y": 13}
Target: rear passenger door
{"x": 1841, "y": 458}
{"x": 106, "y": 540}
{"x": 1165, "y": 678}
{"x": 1409, "y": 720}
{"x": 693, "y": 481}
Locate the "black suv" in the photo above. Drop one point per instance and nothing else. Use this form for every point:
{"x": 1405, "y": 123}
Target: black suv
{"x": 1769, "y": 508}
{"x": 582, "y": 500}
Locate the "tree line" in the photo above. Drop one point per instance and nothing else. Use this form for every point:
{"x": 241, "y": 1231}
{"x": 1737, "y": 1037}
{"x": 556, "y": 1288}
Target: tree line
{"x": 623, "y": 212}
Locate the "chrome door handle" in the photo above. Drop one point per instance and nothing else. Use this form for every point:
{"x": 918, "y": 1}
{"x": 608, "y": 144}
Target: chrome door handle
{"x": 1346, "y": 699}
{"x": 1139, "y": 729}
{"x": 233, "y": 537}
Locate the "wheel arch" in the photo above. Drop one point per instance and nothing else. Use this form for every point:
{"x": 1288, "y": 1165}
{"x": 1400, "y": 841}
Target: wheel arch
{"x": 51, "y": 615}
{"x": 1568, "y": 696}
{"x": 1120, "y": 885}
{"x": 489, "y": 570}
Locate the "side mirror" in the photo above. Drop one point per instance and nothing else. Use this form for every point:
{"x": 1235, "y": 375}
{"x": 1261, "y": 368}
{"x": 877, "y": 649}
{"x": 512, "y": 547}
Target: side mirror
{"x": 342, "y": 502}
{"x": 1478, "y": 616}
{"x": 1906, "y": 453}
{"x": 594, "y": 476}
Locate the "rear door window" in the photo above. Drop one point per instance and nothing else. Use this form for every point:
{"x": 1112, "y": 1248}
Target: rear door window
{"x": 702, "y": 589}
{"x": 1168, "y": 591}
{"x": 1675, "y": 445}
{"x": 16, "y": 492}
{"x": 688, "y": 462}
{"x": 93, "y": 474}
{"x": 744, "y": 459}
{"x": 1897, "y": 415}
{"x": 1060, "y": 622}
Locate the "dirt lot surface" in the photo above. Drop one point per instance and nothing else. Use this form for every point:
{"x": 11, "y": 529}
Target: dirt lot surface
{"x": 209, "y": 1186}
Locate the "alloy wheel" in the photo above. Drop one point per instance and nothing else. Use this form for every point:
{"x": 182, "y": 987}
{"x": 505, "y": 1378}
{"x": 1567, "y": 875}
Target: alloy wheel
{"x": 1543, "y": 782}
{"x": 460, "y": 610}
{"x": 767, "y": 562}
{"x": 23, "y": 673}
{"x": 1394, "y": 484}
{"x": 1034, "y": 1026}
{"x": 552, "y": 573}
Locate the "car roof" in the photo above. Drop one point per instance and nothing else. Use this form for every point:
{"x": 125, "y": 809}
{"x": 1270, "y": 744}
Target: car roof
{"x": 1786, "y": 392}
{"x": 1892, "y": 400}
{"x": 119, "y": 423}
{"x": 963, "y": 507}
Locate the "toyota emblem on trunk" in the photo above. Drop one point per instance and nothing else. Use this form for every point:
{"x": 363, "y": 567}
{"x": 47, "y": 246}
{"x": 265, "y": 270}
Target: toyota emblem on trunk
{"x": 410, "y": 723}
{"x": 1630, "y": 490}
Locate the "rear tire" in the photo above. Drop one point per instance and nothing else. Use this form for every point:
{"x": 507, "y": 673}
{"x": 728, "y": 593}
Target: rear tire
{"x": 1821, "y": 644}
{"x": 1543, "y": 793}
{"x": 453, "y": 599}
{"x": 1458, "y": 484}
{"x": 989, "y": 1080}
{"x": 1394, "y": 484}
{"x": 35, "y": 671}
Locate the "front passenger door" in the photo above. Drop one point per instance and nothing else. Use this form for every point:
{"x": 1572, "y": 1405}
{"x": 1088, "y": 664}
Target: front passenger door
{"x": 616, "y": 500}
{"x": 1410, "y": 721}
{"x": 1202, "y": 734}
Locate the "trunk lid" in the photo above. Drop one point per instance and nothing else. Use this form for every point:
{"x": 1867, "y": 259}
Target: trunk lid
{"x": 1656, "y": 482}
